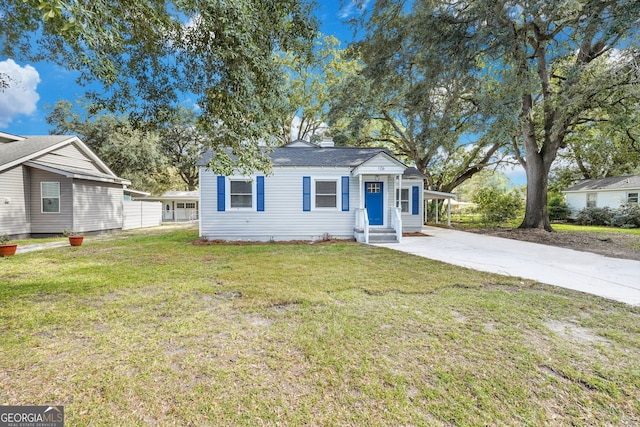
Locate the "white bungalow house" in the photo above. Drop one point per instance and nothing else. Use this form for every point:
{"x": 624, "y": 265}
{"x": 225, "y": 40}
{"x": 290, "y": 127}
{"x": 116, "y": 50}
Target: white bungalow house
{"x": 178, "y": 205}
{"x": 605, "y": 192}
{"x": 314, "y": 191}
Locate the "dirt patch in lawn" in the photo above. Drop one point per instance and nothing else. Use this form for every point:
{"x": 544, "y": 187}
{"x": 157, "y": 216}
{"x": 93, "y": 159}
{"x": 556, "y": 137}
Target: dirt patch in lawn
{"x": 615, "y": 245}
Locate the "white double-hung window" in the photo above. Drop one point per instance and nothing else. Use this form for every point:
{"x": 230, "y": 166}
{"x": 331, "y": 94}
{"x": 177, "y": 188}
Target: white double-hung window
{"x": 403, "y": 196}
{"x": 50, "y": 197}
{"x": 326, "y": 194}
{"x": 241, "y": 194}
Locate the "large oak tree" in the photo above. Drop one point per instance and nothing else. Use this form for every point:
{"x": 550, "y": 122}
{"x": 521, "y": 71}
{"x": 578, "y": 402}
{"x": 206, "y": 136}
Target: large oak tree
{"x": 424, "y": 105}
{"x": 548, "y": 54}
{"x": 151, "y": 55}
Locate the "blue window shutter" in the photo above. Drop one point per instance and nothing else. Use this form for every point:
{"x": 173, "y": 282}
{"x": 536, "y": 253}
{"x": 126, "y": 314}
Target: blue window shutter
{"x": 260, "y": 193}
{"x": 306, "y": 193}
{"x": 345, "y": 193}
{"x": 415, "y": 200}
{"x": 221, "y": 195}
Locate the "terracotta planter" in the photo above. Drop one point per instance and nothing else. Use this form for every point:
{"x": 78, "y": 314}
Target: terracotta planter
{"x": 75, "y": 240}
{"x": 8, "y": 249}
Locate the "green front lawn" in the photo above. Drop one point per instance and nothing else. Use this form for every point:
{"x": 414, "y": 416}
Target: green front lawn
{"x": 594, "y": 229}
{"x": 152, "y": 330}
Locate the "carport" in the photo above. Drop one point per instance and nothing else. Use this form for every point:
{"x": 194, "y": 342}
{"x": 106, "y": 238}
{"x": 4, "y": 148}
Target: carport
{"x": 437, "y": 196}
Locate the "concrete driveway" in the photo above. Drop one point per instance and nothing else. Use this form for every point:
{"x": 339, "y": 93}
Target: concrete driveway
{"x": 616, "y": 279}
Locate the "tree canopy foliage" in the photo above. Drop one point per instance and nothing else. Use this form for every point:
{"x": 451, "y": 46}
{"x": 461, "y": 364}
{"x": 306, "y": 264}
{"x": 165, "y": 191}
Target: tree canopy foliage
{"x": 151, "y": 55}
{"x": 129, "y": 152}
{"x": 306, "y": 86}
{"x": 419, "y": 102}
{"x": 183, "y": 143}
{"x": 547, "y": 66}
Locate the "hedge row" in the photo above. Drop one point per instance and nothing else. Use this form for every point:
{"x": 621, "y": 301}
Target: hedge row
{"x": 627, "y": 216}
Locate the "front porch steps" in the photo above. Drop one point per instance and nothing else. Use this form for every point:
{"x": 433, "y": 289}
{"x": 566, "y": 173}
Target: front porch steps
{"x": 382, "y": 235}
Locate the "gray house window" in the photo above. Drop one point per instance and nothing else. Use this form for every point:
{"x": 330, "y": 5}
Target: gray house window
{"x": 241, "y": 194}
{"x": 50, "y": 193}
{"x": 632, "y": 198}
{"x": 591, "y": 200}
{"x": 326, "y": 194}
{"x": 404, "y": 199}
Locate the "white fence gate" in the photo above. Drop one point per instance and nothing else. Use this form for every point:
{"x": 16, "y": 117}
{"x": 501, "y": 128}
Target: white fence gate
{"x": 140, "y": 214}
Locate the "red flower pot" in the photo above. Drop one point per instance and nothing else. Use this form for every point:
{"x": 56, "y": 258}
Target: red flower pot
{"x": 75, "y": 240}
{"x": 8, "y": 249}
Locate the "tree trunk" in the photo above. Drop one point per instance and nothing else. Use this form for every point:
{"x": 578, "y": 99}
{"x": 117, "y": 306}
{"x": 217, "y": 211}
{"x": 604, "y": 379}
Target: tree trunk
{"x": 537, "y": 164}
{"x": 536, "y": 215}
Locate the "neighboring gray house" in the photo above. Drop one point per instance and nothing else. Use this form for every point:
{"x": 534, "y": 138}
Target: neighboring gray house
{"x": 178, "y": 205}
{"x": 55, "y": 182}
{"x": 314, "y": 192}
{"x": 606, "y": 192}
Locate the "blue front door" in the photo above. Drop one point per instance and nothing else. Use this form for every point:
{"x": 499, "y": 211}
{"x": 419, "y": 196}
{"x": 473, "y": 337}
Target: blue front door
{"x": 373, "y": 201}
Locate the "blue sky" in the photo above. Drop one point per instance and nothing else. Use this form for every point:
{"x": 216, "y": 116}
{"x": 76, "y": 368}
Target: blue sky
{"x": 23, "y": 106}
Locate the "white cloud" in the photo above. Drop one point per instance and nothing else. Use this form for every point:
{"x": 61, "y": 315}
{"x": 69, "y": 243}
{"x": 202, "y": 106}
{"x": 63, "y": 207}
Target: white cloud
{"x": 516, "y": 174}
{"x": 21, "y": 96}
{"x": 353, "y": 8}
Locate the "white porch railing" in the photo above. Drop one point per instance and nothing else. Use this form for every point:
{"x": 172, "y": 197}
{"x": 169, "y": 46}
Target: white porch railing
{"x": 396, "y": 223}
{"x": 362, "y": 223}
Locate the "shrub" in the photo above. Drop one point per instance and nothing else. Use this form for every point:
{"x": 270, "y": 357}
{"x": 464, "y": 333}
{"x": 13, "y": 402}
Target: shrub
{"x": 595, "y": 216}
{"x": 557, "y": 208}
{"x": 628, "y": 216}
{"x": 497, "y": 205}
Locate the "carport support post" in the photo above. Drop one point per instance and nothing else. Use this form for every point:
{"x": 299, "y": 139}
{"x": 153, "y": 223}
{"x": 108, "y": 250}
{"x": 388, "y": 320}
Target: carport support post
{"x": 437, "y": 221}
{"x": 449, "y": 213}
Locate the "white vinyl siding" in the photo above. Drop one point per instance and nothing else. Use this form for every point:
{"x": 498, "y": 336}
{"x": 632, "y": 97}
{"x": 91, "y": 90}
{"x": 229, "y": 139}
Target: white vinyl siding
{"x": 97, "y": 206}
{"x": 283, "y": 217}
{"x": 15, "y": 216}
{"x": 413, "y": 223}
{"x": 48, "y": 222}
{"x": 50, "y": 197}
{"x": 70, "y": 155}
{"x": 612, "y": 199}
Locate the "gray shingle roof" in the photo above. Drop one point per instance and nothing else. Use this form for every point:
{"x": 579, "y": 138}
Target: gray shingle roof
{"x": 315, "y": 156}
{"x": 413, "y": 172}
{"x": 16, "y": 150}
{"x": 79, "y": 172}
{"x": 612, "y": 183}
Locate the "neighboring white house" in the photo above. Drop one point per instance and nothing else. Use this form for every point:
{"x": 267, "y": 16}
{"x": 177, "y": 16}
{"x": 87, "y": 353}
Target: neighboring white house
{"x": 55, "y": 182}
{"x": 178, "y": 205}
{"x": 606, "y": 192}
{"x": 313, "y": 192}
